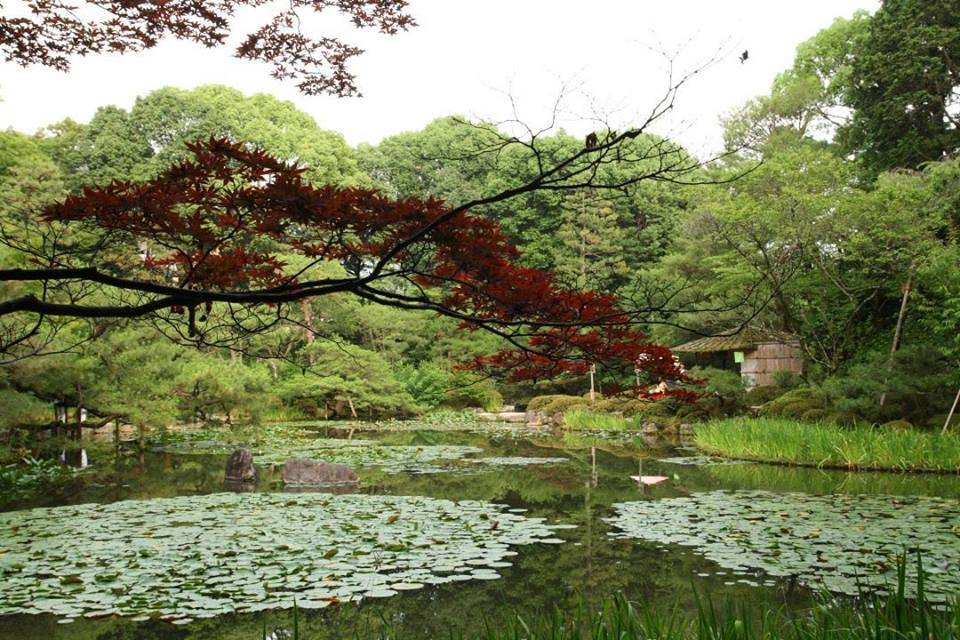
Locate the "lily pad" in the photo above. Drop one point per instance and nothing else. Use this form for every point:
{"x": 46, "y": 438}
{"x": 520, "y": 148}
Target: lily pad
{"x": 844, "y": 543}
{"x": 204, "y": 556}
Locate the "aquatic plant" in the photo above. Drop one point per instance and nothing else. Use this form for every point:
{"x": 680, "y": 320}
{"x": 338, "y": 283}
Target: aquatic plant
{"x": 826, "y": 445}
{"x": 843, "y": 543}
{"x": 617, "y": 617}
{"x": 583, "y": 419}
{"x": 204, "y": 556}
{"x": 32, "y": 476}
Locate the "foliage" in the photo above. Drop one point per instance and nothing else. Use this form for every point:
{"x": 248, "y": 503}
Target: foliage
{"x": 762, "y": 394}
{"x": 903, "y": 85}
{"x": 845, "y": 544}
{"x": 174, "y": 552}
{"x": 18, "y": 409}
{"x": 218, "y": 225}
{"x": 426, "y": 383}
{"x": 725, "y": 383}
{"x": 917, "y": 381}
{"x": 52, "y": 33}
{"x": 827, "y": 445}
{"x": 348, "y": 376}
{"x": 564, "y": 404}
{"x": 540, "y": 403}
{"x": 466, "y": 391}
{"x": 797, "y": 403}
{"x": 32, "y": 476}
{"x": 591, "y": 420}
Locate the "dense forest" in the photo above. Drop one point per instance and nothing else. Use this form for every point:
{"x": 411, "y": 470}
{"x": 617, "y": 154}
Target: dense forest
{"x": 823, "y": 220}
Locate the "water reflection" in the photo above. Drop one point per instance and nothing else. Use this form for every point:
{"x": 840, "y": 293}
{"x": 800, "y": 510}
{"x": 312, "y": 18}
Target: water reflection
{"x": 76, "y": 458}
{"x": 580, "y": 491}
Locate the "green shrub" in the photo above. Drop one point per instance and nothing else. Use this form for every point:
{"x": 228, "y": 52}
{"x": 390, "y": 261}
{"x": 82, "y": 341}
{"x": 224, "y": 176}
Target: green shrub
{"x": 897, "y": 425}
{"x": 467, "y": 392}
{"x": 705, "y": 408}
{"x": 564, "y": 404}
{"x": 426, "y": 383}
{"x": 723, "y": 384}
{"x": 787, "y": 380}
{"x": 763, "y": 394}
{"x": 795, "y": 403}
{"x": 913, "y": 382}
{"x": 539, "y": 402}
{"x": 583, "y": 419}
{"x": 814, "y": 415}
{"x": 625, "y": 405}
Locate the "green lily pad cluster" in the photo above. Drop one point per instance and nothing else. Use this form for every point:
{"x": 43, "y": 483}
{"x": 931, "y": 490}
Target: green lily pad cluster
{"x": 197, "y": 557}
{"x": 847, "y": 544}
{"x": 279, "y": 443}
{"x": 507, "y": 461}
{"x": 278, "y": 447}
{"x": 700, "y": 461}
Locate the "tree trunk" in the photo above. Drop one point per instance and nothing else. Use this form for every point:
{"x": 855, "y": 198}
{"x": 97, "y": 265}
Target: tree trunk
{"x": 898, "y": 331}
{"x": 953, "y": 410}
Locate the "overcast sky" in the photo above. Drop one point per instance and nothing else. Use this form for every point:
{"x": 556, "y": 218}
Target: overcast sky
{"x": 465, "y": 57}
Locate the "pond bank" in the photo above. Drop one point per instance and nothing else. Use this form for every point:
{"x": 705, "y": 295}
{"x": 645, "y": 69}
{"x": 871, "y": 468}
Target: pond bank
{"x": 826, "y": 446}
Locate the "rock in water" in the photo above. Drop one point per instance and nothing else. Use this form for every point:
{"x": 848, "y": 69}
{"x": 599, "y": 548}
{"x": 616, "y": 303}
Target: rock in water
{"x": 302, "y": 471}
{"x": 240, "y": 467}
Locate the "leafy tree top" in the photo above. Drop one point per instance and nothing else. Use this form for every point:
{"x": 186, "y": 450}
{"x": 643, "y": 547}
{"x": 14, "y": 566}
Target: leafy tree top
{"x": 54, "y": 31}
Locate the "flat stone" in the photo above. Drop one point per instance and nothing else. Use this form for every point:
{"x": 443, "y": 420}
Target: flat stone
{"x": 303, "y": 471}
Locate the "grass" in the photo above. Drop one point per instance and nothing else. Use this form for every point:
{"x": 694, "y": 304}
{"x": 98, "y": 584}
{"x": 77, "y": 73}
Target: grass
{"x": 790, "y": 442}
{"x": 589, "y": 420}
{"x": 893, "y": 617}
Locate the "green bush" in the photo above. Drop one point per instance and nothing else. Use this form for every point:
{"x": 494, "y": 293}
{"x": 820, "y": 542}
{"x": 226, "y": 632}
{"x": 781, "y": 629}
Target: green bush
{"x": 786, "y": 380}
{"x": 795, "y": 403}
{"x": 913, "y": 381}
{"x": 723, "y": 384}
{"x": 814, "y": 415}
{"x": 897, "y": 425}
{"x": 843, "y": 418}
{"x": 583, "y": 419}
{"x": 539, "y": 402}
{"x": 626, "y": 405}
{"x": 763, "y": 394}
{"x": 426, "y": 383}
{"x": 564, "y": 404}
{"x": 470, "y": 393}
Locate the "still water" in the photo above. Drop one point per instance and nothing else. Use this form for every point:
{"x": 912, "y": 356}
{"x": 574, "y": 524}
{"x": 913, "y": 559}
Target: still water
{"x": 582, "y": 490}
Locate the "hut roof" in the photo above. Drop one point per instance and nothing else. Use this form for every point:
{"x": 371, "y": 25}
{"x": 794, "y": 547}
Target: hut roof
{"x": 734, "y": 340}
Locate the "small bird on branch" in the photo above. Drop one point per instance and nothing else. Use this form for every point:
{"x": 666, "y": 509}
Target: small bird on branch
{"x": 744, "y": 56}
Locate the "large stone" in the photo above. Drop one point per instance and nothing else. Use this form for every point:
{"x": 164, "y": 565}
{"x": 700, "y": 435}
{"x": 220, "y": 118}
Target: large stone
{"x": 240, "y": 467}
{"x": 302, "y": 471}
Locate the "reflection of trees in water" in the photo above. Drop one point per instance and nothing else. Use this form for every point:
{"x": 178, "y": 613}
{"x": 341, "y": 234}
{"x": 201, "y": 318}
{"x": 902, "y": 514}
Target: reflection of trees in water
{"x": 591, "y": 566}
{"x": 780, "y": 478}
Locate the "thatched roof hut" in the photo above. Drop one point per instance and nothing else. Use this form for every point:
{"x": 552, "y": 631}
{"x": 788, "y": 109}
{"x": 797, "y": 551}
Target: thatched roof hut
{"x": 755, "y": 353}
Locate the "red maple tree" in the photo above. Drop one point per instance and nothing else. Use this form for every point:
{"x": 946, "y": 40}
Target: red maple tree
{"x": 218, "y": 225}
{"x": 53, "y": 31}
{"x": 214, "y": 229}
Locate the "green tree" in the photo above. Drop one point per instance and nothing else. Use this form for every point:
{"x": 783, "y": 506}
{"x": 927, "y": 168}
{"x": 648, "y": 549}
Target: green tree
{"x": 904, "y": 85}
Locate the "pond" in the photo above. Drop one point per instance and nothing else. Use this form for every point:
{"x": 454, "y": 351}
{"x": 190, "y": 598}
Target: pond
{"x": 447, "y": 528}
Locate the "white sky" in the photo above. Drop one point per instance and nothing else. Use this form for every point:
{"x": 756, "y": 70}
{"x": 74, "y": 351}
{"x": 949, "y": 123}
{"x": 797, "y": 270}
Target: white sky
{"x": 464, "y": 56}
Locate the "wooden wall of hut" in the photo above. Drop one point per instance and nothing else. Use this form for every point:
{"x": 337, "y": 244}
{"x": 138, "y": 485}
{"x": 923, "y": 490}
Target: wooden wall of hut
{"x": 760, "y": 364}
